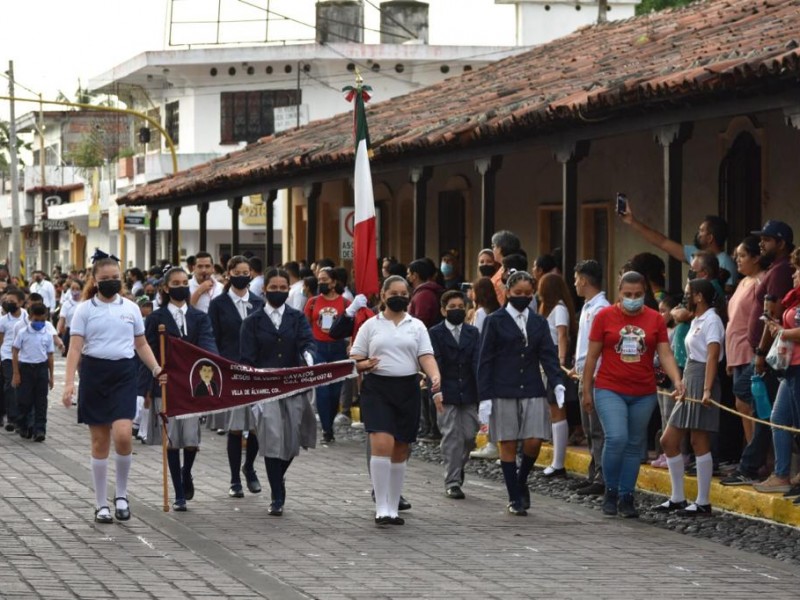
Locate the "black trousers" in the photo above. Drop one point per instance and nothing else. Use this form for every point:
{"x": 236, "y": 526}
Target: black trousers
{"x": 32, "y": 393}
{"x": 9, "y": 392}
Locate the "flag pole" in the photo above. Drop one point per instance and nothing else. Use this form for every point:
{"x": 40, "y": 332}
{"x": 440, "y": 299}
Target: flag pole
{"x": 162, "y": 338}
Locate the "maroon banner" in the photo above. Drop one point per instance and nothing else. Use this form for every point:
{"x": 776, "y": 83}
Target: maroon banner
{"x": 199, "y": 382}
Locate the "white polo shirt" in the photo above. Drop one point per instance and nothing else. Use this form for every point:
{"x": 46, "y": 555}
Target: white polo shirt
{"x": 34, "y": 346}
{"x": 8, "y": 327}
{"x": 588, "y": 313}
{"x": 108, "y": 328}
{"x": 206, "y": 298}
{"x": 397, "y": 346}
{"x": 704, "y": 330}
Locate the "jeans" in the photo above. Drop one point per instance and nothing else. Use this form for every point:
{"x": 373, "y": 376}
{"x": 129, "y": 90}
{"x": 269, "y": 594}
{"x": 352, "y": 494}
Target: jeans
{"x": 328, "y": 395}
{"x": 786, "y": 411}
{"x": 755, "y": 453}
{"x": 624, "y": 419}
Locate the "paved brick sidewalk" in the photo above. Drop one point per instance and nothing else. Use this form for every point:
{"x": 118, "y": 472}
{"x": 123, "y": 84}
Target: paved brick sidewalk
{"x": 326, "y": 545}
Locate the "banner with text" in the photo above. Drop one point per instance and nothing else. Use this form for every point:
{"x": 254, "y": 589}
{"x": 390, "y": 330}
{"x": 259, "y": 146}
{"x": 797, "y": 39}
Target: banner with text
{"x": 199, "y": 382}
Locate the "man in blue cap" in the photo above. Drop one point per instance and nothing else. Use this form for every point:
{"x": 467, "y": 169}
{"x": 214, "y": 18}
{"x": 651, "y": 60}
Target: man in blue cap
{"x": 777, "y": 243}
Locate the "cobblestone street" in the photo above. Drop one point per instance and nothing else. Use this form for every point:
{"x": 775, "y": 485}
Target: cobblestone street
{"x": 326, "y": 544}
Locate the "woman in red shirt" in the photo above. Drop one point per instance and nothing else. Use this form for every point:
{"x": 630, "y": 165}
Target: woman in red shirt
{"x": 626, "y": 336}
{"x": 321, "y": 311}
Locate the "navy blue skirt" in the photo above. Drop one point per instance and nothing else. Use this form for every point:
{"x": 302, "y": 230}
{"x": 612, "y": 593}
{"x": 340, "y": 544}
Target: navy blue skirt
{"x": 107, "y": 390}
{"x": 391, "y": 405}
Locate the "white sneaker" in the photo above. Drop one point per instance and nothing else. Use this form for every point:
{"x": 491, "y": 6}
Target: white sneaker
{"x": 488, "y": 452}
{"x": 342, "y": 419}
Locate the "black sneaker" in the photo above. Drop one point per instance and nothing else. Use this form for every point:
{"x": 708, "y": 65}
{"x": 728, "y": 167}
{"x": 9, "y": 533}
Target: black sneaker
{"x": 580, "y": 483}
{"x": 794, "y": 492}
{"x": 627, "y": 507}
{"x": 516, "y": 509}
{"x": 39, "y": 437}
{"x": 327, "y": 438}
{"x": 593, "y": 489}
{"x": 737, "y": 478}
{"x": 610, "y": 503}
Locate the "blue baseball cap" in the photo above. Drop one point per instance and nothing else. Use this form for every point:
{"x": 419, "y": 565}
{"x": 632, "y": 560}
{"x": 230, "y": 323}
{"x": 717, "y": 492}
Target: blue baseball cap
{"x": 776, "y": 229}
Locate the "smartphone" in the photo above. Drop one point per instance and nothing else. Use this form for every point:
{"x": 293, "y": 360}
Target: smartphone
{"x": 465, "y": 287}
{"x": 622, "y": 204}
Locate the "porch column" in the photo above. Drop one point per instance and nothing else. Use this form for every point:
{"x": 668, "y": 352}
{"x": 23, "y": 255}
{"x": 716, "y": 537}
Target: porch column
{"x": 175, "y": 213}
{"x": 235, "y": 204}
{"x": 487, "y": 168}
{"x": 671, "y": 138}
{"x": 269, "y": 205}
{"x": 312, "y": 193}
{"x": 420, "y": 177}
{"x": 569, "y": 155}
{"x": 153, "y": 240}
{"x": 202, "y": 208}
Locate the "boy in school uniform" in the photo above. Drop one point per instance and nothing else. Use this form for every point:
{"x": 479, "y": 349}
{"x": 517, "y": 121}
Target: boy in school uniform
{"x": 13, "y": 302}
{"x": 456, "y": 346}
{"x": 32, "y": 361}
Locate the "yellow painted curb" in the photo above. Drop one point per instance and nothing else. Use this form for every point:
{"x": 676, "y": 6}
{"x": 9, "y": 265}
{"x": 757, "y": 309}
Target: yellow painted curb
{"x": 742, "y": 499}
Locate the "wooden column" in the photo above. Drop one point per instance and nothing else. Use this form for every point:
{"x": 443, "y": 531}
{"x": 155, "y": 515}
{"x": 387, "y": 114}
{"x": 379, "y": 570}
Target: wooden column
{"x": 235, "y": 204}
{"x": 312, "y": 194}
{"x": 175, "y": 257}
{"x": 202, "y": 208}
{"x": 569, "y": 155}
{"x": 153, "y": 241}
{"x": 487, "y": 168}
{"x": 269, "y": 206}
{"x": 420, "y": 177}
{"x": 671, "y": 138}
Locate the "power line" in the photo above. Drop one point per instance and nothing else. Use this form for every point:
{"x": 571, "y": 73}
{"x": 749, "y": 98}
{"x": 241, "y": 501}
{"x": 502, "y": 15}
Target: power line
{"x": 389, "y": 16}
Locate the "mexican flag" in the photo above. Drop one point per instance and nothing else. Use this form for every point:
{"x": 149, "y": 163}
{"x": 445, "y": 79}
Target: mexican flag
{"x": 365, "y": 259}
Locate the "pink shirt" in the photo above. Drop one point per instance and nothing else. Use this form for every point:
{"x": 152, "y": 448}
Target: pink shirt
{"x": 740, "y": 307}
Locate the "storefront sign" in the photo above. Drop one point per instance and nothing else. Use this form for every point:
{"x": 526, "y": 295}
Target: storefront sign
{"x": 136, "y": 221}
{"x": 254, "y": 212}
{"x": 54, "y": 225}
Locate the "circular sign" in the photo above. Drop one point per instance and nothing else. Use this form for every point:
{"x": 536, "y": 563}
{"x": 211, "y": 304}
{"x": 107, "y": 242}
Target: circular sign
{"x": 350, "y": 223}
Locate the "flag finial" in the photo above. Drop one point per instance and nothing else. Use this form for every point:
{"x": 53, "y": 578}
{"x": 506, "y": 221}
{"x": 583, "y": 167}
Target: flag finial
{"x": 359, "y": 78}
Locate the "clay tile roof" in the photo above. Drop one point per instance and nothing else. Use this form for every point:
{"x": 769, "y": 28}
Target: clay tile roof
{"x": 696, "y": 53}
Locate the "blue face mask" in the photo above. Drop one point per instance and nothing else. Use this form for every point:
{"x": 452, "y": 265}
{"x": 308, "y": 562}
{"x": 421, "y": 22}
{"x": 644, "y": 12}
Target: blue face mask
{"x": 633, "y": 305}
{"x": 37, "y": 325}
{"x": 446, "y": 269}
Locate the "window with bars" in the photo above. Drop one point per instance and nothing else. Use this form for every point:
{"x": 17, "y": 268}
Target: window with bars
{"x": 248, "y": 116}
{"x": 172, "y": 121}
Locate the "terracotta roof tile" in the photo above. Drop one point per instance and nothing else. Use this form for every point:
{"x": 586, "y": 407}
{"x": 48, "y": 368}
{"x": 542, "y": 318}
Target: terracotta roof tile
{"x": 708, "y": 48}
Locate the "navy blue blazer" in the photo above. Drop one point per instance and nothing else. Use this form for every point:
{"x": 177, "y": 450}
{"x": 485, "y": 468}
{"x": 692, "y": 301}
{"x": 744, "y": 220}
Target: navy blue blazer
{"x": 458, "y": 363}
{"x": 227, "y": 323}
{"x": 198, "y": 333}
{"x": 507, "y": 368}
{"x": 261, "y": 345}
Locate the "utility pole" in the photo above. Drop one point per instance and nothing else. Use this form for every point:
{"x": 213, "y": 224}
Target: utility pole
{"x": 16, "y": 246}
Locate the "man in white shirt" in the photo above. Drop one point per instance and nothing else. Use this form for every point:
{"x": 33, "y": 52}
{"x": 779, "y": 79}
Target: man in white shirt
{"x": 297, "y": 299}
{"x": 257, "y": 283}
{"x": 44, "y": 288}
{"x": 588, "y": 279}
{"x": 202, "y": 286}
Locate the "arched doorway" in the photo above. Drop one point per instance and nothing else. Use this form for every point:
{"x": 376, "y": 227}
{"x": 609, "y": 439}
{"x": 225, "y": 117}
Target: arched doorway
{"x": 740, "y": 191}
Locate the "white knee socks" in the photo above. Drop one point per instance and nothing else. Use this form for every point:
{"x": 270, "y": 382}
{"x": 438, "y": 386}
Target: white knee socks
{"x": 397, "y": 473}
{"x": 380, "y": 471}
{"x": 560, "y": 436}
{"x": 705, "y": 470}
{"x": 676, "y": 469}
{"x": 100, "y": 476}
{"x": 123, "y": 468}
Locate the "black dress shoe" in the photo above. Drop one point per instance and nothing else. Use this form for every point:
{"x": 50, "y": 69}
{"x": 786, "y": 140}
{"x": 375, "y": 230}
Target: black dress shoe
{"x": 384, "y": 520}
{"x": 103, "y": 515}
{"x": 580, "y": 483}
{"x": 327, "y": 438}
{"x": 122, "y": 514}
{"x": 515, "y": 508}
{"x": 397, "y": 521}
{"x": 403, "y": 504}
{"x": 454, "y": 492}
{"x": 188, "y": 486}
{"x": 275, "y": 510}
{"x": 593, "y": 489}
{"x": 670, "y": 506}
{"x": 253, "y": 484}
{"x": 525, "y": 496}
{"x": 10, "y": 427}
{"x": 39, "y": 437}
{"x": 236, "y": 491}
{"x": 555, "y": 473}
{"x": 179, "y": 506}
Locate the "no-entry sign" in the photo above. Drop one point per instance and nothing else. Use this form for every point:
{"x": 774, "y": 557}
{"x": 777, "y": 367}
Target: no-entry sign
{"x": 347, "y": 226}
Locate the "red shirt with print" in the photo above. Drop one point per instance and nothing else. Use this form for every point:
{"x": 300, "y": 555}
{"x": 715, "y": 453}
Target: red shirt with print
{"x": 629, "y": 346}
{"x": 321, "y": 313}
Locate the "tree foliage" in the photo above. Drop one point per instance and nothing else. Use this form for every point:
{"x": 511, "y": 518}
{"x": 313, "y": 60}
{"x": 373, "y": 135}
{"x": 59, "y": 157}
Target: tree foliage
{"x": 5, "y": 149}
{"x": 647, "y": 6}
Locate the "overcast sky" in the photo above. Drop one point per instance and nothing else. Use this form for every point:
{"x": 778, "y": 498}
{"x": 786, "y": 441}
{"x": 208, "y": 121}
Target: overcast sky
{"x": 53, "y": 43}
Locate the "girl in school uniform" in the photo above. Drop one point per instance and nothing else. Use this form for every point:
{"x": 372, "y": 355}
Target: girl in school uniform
{"x": 515, "y": 347}
{"x": 277, "y": 337}
{"x": 227, "y": 312}
{"x": 193, "y": 326}
{"x": 390, "y": 349}
{"x": 105, "y": 333}
{"x": 704, "y": 348}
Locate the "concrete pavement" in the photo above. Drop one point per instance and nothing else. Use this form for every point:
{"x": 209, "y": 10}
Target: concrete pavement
{"x": 326, "y": 545}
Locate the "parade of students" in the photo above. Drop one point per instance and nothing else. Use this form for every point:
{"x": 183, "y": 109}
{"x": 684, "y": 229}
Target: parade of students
{"x": 276, "y": 337}
{"x": 516, "y": 347}
{"x": 227, "y": 312}
{"x": 106, "y": 331}
{"x": 390, "y": 349}
{"x": 183, "y": 321}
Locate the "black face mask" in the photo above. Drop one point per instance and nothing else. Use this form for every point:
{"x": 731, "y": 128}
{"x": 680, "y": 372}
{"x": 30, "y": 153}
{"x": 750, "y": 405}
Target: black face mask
{"x": 456, "y": 316}
{"x": 180, "y": 293}
{"x": 10, "y": 307}
{"x": 109, "y": 287}
{"x": 487, "y": 270}
{"x": 323, "y": 288}
{"x": 240, "y": 282}
{"x": 397, "y": 303}
{"x": 520, "y": 302}
{"x": 151, "y": 296}
{"x": 277, "y": 299}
